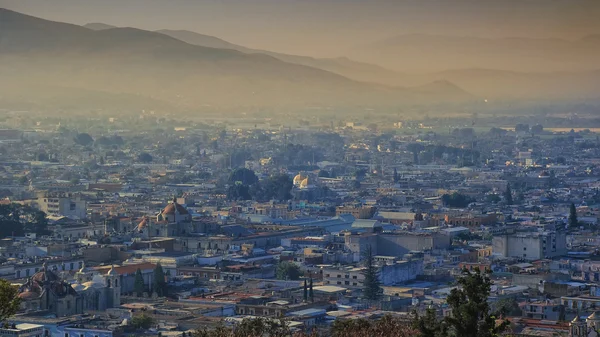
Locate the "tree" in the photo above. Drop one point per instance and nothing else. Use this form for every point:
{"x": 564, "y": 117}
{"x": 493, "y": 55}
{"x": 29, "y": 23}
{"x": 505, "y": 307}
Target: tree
{"x": 388, "y": 326}
{"x": 305, "y": 291}
{"x": 470, "y": 314}
{"x": 138, "y": 283}
{"x": 142, "y": 322}
{"x": 243, "y": 175}
{"x": 311, "y": 294}
{"x": 160, "y": 285}
{"x": 456, "y": 200}
{"x": 83, "y": 139}
{"x": 508, "y": 307}
{"x": 573, "y": 216}
{"x": 508, "y": 195}
{"x": 145, "y": 157}
{"x": 396, "y": 177}
{"x": 371, "y": 285}
{"x": 9, "y": 301}
{"x": 288, "y": 271}
{"x": 537, "y": 129}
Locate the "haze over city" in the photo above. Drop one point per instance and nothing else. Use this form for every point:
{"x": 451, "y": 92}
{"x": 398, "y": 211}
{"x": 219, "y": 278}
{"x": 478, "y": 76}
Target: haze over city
{"x": 299, "y": 168}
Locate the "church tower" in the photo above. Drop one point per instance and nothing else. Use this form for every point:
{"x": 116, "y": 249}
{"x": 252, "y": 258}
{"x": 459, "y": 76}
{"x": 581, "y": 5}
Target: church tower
{"x": 113, "y": 291}
{"x": 578, "y": 327}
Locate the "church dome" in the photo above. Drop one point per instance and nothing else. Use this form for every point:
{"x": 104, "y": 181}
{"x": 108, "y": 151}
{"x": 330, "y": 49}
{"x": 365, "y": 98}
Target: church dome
{"x": 174, "y": 208}
{"x": 299, "y": 178}
{"x": 143, "y": 224}
{"x": 28, "y": 295}
{"x": 304, "y": 183}
{"x": 45, "y": 275}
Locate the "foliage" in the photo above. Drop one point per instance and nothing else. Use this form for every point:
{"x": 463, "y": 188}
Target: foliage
{"x": 276, "y": 187}
{"x": 470, "y": 315}
{"x": 145, "y": 157}
{"x": 83, "y": 139}
{"x": 9, "y": 301}
{"x": 160, "y": 284}
{"x": 238, "y": 192}
{"x": 305, "y": 291}
{"x": 508, "y": 307}
{"x": 243, "y": 175}
{"x": 493, "y": 198}
{"x": 522, "y": 128}
{"x": 288, "y": 271}
{"x": 256, "y": 327}
{"x": 387, "y": 326}
{"x": 371, "y": 285}
{"x": 456, "y": 200}
{"x": 142, "y": 322}
{"x": 508, "y": 195}
{"x": 17, "y": 220}
{"x": 311, "y": 294}
{"x": 138, "y": 284}
{"x": 573, "y": 221}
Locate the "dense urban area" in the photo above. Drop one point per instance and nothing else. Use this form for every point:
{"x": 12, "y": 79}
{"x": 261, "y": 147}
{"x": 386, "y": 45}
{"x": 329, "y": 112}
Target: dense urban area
{"x": 148, "y": 225}
{"x": 340, "y": 168}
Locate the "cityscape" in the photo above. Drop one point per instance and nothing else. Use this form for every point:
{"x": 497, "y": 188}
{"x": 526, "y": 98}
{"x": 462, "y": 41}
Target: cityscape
{"x": 156, "y": 181}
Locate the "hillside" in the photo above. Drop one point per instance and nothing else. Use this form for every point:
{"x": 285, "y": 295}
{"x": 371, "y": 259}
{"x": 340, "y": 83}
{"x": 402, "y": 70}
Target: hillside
{"x": 159, "y": 67}
{"x": 431, "y": 53}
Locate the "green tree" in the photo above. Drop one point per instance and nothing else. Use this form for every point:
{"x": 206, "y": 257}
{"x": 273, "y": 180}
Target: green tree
{"x": 311, "y": 294}
{"x": 138, "y": 283}
{"x": 396, "y": 177}
{"x": 573, "y": 216}
{"x": 83, "y": 139}
{"x": 371, "y": 285}
{"x": 470, "y": 314}
{"x": 142, "y": 321}
{"x": 288, "y": 271}
{"x": 160, "y": 285}
{"x": 145, "y": 157}
{"x": 243, "y": 175}
{"x": 9, "y": 301}
{"x": 508, "y": 307}
{"x": 305, "y": 291}
{"x": 508, "y": 195}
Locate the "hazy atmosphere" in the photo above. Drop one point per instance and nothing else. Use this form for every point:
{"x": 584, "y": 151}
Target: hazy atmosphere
{"x": 300, "y": 168}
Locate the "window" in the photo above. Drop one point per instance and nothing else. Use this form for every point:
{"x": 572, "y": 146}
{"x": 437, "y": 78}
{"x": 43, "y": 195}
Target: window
{"x": 72, "y": 266}
{"x": 524, "y": 248}
{"x": 68, "y": 304}
{"x": 346, "y": 282}
{"x": 66, "y": 334}
{"x": 354, "y": 277}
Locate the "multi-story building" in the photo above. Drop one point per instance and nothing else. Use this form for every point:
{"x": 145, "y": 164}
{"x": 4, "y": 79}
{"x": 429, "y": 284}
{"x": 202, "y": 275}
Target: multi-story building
{"x": 389, "y": 274}
{"x": 62, "y": 204}
{"x": 530, "y": 245}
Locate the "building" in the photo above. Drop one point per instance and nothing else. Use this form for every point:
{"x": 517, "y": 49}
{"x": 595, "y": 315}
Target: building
{"x": 22, "y": 330}
{"x": 62, "y": 204}
{"x": 364, "y": 212}
{"x": 542, "y": 310}
{"x": 530, "y": 245}
{"x": 389, "y": 274}
{"x": 46, "y": 291}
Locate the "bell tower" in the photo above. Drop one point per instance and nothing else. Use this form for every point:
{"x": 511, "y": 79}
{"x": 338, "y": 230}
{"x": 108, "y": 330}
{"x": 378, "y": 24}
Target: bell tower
{"x": 578, "y": 327}
{"x": 113, "y": 285}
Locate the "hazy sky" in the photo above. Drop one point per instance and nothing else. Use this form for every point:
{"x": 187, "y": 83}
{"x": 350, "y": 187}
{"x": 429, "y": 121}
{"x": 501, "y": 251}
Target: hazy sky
{"x": 329, "y": 27}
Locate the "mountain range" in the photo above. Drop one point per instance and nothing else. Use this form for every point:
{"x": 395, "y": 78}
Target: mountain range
{"x": 430, "y": 53}
{"x": 483, "y": 82}
{"x": 139, "y": 64}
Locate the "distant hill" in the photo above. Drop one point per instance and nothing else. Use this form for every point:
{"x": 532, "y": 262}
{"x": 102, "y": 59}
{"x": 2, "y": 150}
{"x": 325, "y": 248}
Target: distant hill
{"x": 144, "y": 64}
{"x": 431, "y": 53}
{"x": 344, "y": 66}
{"x": 98, "y": 26}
